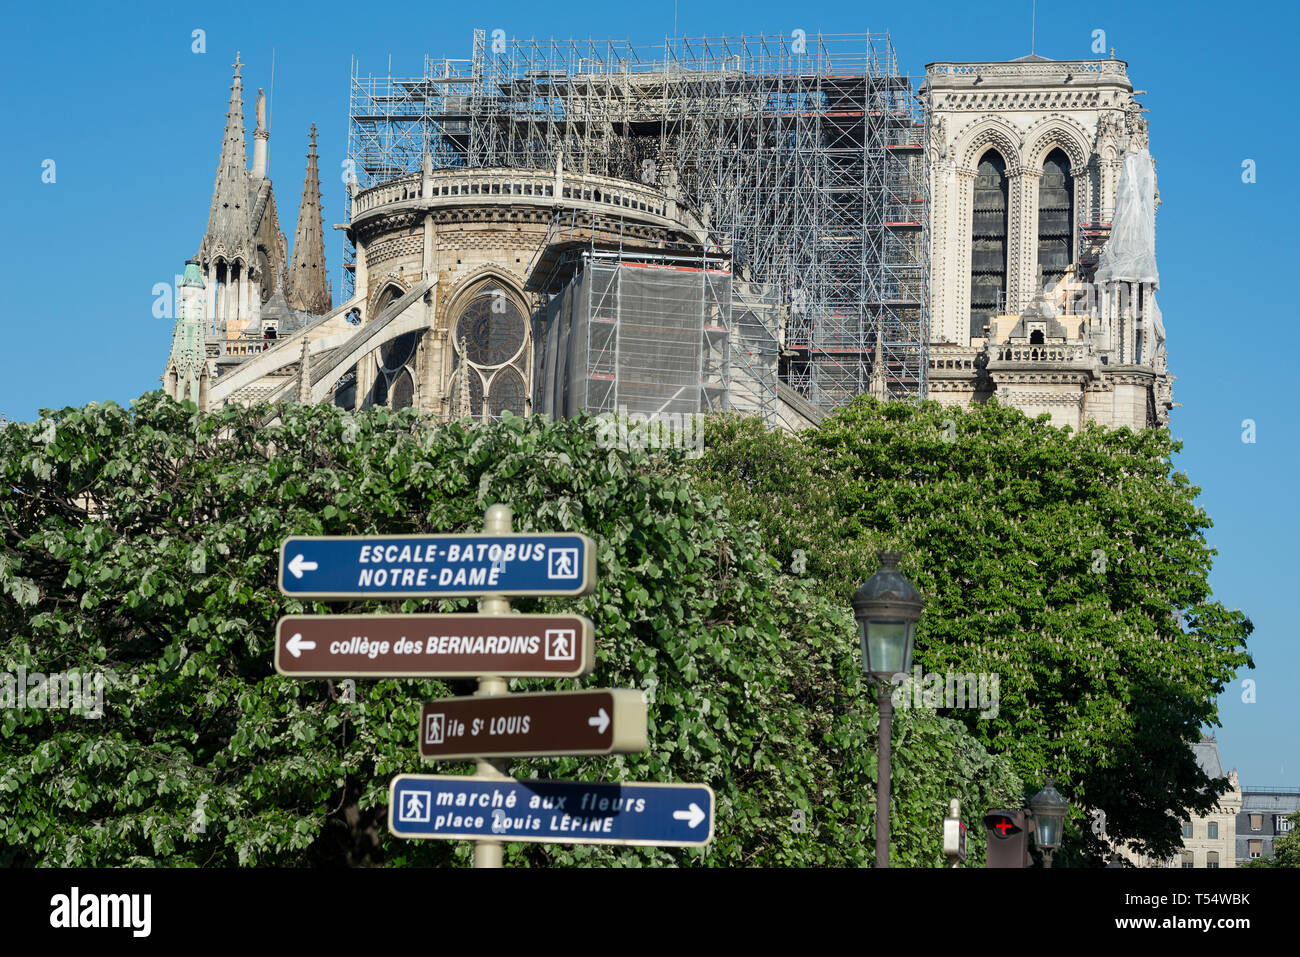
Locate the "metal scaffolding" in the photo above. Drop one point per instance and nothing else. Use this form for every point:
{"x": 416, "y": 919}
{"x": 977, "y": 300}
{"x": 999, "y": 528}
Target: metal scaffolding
{"x": 805, "y": 155}
{"x": 655, "y": 335}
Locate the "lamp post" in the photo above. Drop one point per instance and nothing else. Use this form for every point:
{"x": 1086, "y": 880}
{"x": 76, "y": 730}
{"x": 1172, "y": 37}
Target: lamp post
{"x": 1049, "y": 810}
{"x": 887, "y": 608}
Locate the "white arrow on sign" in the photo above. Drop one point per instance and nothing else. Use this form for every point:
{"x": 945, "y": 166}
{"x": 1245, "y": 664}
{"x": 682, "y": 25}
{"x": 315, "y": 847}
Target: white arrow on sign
{"x": 599, "y": 721}
{"x": 692, "y": 816}
{"x": 297, "y": 645}
{"x": 298, "y": 565}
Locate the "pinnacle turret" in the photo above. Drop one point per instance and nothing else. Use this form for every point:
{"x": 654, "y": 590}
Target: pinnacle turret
{"x": 229, "y": 219}
{"x": 309, "y": 288}
{"x": 304, "y": 373}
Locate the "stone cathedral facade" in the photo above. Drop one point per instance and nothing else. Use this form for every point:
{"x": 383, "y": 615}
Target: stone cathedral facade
{"x": 1042, "y": 277}
{"x": 241, "y": 292}
{"x": 1042, "y": 259}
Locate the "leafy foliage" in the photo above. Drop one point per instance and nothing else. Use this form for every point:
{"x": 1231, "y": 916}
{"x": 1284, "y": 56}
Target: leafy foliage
{"x": 143, "y": 544}
{"x": 1074, "y": 566}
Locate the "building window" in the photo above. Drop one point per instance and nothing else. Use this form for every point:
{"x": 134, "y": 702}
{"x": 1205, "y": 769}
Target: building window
{"x": 1257, "y": 822}
{"x": 1189, "y": 860}
{"x": 1282, "y": 823}
{"x": 393, "y": 359}
{"x": 402, "y": 394}
{"x": 1212, "y": 829}
{"x": 988, "y": 253}
{"x": 494, "y": 333}
{"x": 1212, "y": 859}
{"x": 1187, "y": 830}
{"x": 345, "y": 391}
{"x": 1256, "y": 849}
{"x": 1055, "y": 217}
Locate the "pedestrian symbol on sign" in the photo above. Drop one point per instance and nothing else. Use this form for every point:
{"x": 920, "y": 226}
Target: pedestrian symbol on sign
{"x": 415, "y": 808}
{"x": 433, "y": 729}
{"x": 562, "y": 563}
{"x": 561, "y": 644}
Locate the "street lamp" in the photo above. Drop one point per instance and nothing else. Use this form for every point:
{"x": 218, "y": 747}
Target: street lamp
{"x": 1049, "y": 810}
{"x": 887, "y": 608}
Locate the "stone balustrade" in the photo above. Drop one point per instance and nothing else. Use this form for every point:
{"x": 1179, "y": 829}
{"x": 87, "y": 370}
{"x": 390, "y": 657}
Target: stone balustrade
{"x": 1018, "y": 69}
{"x": 959, "y": 358}
{"x": 238, "y": 347}
{"x": 458, "y": 187}
{"x": 1041, "y": 353}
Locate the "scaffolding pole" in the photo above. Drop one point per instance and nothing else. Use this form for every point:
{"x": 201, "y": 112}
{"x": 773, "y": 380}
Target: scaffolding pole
{"x": 805, "y": 156}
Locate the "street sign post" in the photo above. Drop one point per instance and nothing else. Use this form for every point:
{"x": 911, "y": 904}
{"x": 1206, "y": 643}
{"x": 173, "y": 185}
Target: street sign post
{"x": 437, "y": 566}
{"x": 488, "y": 808}
{"x": 534, "y": 725}
{"x": 452, "y": 807}
{"x": 434, "y": 646}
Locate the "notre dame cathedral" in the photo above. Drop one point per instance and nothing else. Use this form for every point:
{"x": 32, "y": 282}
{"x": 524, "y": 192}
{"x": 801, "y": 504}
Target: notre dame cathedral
{"x": 1007, "y": 251}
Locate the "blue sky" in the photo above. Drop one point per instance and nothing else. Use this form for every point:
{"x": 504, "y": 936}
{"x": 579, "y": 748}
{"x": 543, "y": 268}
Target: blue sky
{"x": 133, "y": 120}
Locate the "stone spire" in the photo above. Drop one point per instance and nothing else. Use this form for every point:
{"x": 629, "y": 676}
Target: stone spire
{"x": 304, "y": 374}
{"x": 460, "y": 403}
{"x": 878, "y": 384}
{"x": 230, "y": 218}
{"x": 186, "y": 375}
{"x": 309, "y": 288}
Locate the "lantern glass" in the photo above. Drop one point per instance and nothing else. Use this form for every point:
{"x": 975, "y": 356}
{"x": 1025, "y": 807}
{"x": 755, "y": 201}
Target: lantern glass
{"x": 1049, "y": 809}
{"x": 887, "y": 646}
{"x": 1047, "y": 827}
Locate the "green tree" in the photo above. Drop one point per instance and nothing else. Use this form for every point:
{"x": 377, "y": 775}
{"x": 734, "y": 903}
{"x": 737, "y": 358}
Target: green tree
{"x": 1074, "y": 566}
{"x": 143, "y": 544}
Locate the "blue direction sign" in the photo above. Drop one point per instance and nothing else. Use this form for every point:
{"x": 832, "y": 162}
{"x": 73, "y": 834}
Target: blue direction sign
{"x": 400, "y": 566}
{"x": 567, "y": 812}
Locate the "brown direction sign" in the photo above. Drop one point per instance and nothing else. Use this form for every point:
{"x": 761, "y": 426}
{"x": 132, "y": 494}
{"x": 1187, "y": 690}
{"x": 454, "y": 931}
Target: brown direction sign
{"x": 534, "y": 725}
{"x": 433, "y": 646}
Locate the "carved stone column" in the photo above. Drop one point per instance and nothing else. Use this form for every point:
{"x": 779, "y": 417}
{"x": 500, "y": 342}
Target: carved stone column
{"x": 442, "y": 366}
{"x": 941, "y": 189}
{"x": 956, "y": 283}
{"x": 361, "y": 285}
{"x": 366, "y": 374}
{"x": 429, "y": 264}
{"x": 1022, "y": 227}
{"x": 210, "y": 281}
{"x": 429, "y": 388}
{"x": 1115, "y": 168}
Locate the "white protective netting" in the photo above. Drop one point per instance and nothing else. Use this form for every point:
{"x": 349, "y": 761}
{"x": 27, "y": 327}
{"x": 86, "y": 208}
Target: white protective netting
{"x": 1130, "y": 253}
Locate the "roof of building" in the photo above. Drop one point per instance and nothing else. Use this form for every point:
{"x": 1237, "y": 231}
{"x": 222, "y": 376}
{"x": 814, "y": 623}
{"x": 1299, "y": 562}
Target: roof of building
{"x": 1207, "y": 757}
{"x": 1265, "y": 802}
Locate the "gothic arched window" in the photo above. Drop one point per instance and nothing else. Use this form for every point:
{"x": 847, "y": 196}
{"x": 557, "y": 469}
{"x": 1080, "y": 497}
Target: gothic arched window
{"x": 492, "y": 330}
{"x": 988, "y": 253}
{"x": 402, "y": 393}
{"x": 345, "y": 392}
{"x": 1055, "y": 217}
{"x": 394, "y": 361}
{"x": 507, "y": 393}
